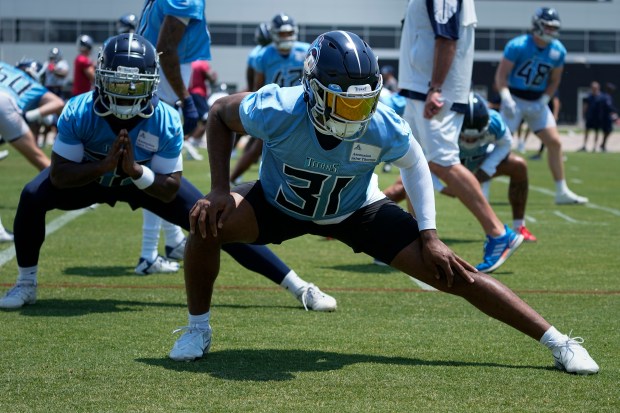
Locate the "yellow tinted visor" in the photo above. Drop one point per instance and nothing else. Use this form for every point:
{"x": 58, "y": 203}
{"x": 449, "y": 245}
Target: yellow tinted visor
{"x": 351, "y": 108}
{"x": 126, "y": 88}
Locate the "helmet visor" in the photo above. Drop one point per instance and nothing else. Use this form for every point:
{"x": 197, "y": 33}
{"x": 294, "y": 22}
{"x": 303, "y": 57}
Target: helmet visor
{"x": 351, "y": 108}
{"x": 129, "y": 88}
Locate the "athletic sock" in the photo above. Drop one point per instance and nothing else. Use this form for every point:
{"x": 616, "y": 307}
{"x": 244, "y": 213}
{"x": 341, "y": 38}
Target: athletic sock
{"x": 552, "y": 337}
{"x": 28, "y": 274}
{"x": 293, "y": 284}
{"x": 560, "y": 186}
{"x": 518, "y": 223}
{"x": 151, "y": 224}
{"x": 201, "y": 321}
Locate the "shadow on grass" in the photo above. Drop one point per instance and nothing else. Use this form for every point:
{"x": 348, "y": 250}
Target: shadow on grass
{"x": 281, "y": 365}
{"x": 105, "y": 271}
{"x": 80, "y": 307}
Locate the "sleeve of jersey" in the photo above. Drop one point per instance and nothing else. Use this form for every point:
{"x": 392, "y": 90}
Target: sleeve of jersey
{"x": 445, "y": 18}
{"x": 418, "y": 184}
{"x": 68, "y": 143}
{"x": 255, "y": 109}
{"x": 168, "y": 158}
{"x": 183, "y": 8}
{"x": 511, "y": 51}
{"x": 503, "y": 143}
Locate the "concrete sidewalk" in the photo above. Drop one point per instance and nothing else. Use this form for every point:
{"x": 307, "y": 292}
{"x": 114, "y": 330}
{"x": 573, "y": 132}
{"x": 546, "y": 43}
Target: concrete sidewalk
{"x": 572, "y": 140}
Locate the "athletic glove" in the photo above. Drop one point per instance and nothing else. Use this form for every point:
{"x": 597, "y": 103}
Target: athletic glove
{"x": 509, "y": 107}
{"x": 190, "y": 115}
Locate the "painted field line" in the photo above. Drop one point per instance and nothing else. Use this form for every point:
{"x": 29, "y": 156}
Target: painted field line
{"x": 565, "y": 217}
{"x": 8, "y": 254}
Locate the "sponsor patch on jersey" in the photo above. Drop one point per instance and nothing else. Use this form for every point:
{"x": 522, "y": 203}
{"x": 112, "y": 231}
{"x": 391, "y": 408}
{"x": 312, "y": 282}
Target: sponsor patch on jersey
{"x": 362, "y": 152}
{"x": 554, "y": 54}
{"x": 147, "y": 141}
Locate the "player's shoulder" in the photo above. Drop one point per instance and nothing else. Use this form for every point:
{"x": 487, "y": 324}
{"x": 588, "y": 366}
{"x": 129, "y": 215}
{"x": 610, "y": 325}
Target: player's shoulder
{"x": 274, "y": 97}
{"x": 557, "y": 45}
{"x": 523, "y": 40}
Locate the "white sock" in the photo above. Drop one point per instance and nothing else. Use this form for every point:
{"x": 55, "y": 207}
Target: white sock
{"x": 518, "y": 223}
{"x": 201, "y": 321}
{"x": 552, "y": 337}
{"x": 27, "y": 274}
{"x": 173, "y": 233}
{"x": 485, "y": 187}
{"x": 560, "y": 186}
{"x": 151, "y": 225}
{"x": 293, "y": 283}
{"x": 501, "y": 235}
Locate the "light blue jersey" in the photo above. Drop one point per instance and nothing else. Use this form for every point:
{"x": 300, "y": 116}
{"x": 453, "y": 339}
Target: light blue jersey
{"x": 314, "y": 183}
{"x": 26, "y": 91}
{"x": 252, "y": 56}
{"x": 83, "y": 136}
{"x": 532, "y": 65}
{"x": 472, "y": 158}
{"x": 196, "y": 42}
{"x": 282, "y": 70}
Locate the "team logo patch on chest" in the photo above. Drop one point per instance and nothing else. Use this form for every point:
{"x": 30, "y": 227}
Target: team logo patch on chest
{"x": 364, "y": 153}
{"x": 147, "y": 141}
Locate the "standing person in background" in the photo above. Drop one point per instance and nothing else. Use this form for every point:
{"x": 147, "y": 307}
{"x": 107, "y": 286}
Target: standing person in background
{"x": 83, "y": 67}
{"x": 203, "y": 76}
{"x": 262, "y": 37}
{"x": 591, "y": 110}
{"x": 609, "y": 114}
{"x": 527, "y": 77}
{"x": 434, "y": 73}
{"x": 180, "y": 32}
{"x": 280, "y": 62}
{"x": 56, "y": 70}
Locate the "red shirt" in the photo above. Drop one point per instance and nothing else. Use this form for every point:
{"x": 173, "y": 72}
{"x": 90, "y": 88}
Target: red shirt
{"x": 198, "y": 83}
{"x": 81, "y": 82}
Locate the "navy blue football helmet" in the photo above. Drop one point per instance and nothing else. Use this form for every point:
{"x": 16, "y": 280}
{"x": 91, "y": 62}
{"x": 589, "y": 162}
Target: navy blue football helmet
{"x": 283, "y": 30}
{"x": 476, "y": 121}
{"x": 342, "y": 83}
{"x": 262, "y": 36}
{"x": 546, "y": 24}
{"x": 31, "y": 67}
{"x": 126, "y": 76}
{"x": 127, "y": 24}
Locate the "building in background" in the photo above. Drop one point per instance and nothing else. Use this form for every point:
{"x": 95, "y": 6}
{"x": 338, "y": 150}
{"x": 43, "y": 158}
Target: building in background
{"x": 589, "y": 31}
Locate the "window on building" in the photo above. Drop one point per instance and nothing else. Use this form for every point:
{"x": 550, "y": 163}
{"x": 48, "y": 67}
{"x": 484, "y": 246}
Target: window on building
{"x": 602, "y": 42}
{"x": 573, "y": 40}
{"x": 384, "y": 37}
{"x": 223, "y": 34}
{"x": 7, "y": 30}
{"x": 30, "y": 31}
{"x": 63, "y": 31}
{"x": 98, "y": 30}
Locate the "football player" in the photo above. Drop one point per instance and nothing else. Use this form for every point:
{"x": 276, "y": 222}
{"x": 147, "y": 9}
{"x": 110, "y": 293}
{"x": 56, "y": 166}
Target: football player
{"x": 527, "y": 77}
{"x": 484, "y": 145}
{"x": 323, "y": 141}
{"x": 120, "y": 144}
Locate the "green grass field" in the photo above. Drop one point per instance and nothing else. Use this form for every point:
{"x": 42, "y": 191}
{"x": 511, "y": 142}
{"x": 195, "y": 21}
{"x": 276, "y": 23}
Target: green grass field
{"x": 97, "y": 339}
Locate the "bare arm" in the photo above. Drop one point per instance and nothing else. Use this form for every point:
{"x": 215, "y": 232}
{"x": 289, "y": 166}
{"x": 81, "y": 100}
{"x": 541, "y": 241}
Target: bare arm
{"x": 222, "y": 123}
{"x": 554, "y": 81}
{"x": 170, "y": 35}
{"x": 50, "y": 104}
{"x": 501, "y": 74}
{"x": 445, "y": 50}
{"x": 68, "y": 174}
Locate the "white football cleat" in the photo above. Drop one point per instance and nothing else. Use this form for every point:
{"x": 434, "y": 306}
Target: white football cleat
{"x": 192, "y": 345}
{"x": 571, "y": 357}
{"x": 570, "y": 198}
{"x": 159, "y": 266}
{"x": 176, "y": 253}
{"x": 21, "y": 294}
{"x": 314, "y": 299}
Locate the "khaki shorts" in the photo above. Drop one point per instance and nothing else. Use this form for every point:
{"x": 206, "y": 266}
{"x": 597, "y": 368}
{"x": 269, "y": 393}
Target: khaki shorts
{"x": 12, "y": 124}
{"x": 439, "y": 136}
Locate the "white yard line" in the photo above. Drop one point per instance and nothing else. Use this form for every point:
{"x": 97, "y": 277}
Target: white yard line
{"x": 8, "y": 254}
{"x": 566, "y": 217}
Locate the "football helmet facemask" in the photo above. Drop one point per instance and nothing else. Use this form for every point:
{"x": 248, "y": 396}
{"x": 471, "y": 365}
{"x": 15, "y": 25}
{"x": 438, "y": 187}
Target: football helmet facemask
{"x": 126, "y": 76}
{"x": 283, "y": 30}
{"x": 546, "y": 24}
{"x": 126, "y": 24}
{"x": 475, "y": 123}
{"x": 342, "y": 84}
